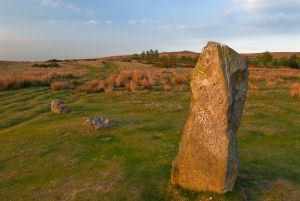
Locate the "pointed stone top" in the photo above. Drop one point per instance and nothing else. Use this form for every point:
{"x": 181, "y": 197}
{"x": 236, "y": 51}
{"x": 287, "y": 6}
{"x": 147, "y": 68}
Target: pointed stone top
{"x": 212, "y": 43}
{"x": 216, "y": 44}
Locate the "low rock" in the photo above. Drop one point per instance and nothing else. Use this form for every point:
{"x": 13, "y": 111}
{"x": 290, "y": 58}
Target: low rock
{"x": 59, "y": 107}
{"x": 98, "y": 123}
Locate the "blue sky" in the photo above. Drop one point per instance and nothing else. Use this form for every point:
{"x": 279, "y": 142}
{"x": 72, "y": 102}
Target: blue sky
{"x": 44, "y": 29}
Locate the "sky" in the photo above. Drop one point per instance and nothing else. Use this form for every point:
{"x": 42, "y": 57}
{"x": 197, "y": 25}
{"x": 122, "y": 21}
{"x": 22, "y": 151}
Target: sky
{"x": 65, "y": 29}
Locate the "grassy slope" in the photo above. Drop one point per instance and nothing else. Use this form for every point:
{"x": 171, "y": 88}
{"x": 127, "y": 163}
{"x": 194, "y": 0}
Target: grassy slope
{"x": 44, "y": 156}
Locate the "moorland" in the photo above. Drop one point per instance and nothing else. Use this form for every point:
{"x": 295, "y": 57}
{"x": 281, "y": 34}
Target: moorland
{"x": 45, "y": 156}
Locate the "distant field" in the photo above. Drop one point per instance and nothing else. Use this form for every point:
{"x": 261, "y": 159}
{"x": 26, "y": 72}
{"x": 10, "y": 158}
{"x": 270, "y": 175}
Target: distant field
{"x": 276, "y": 55}
{"x": 44, "y": 156}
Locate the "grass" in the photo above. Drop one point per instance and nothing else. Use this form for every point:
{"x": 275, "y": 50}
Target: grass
{"x": 295, "y": 90}
{"x": 32, "y": 78}
{"x": 44, "y": 156}
{"x": 136, "y": 80}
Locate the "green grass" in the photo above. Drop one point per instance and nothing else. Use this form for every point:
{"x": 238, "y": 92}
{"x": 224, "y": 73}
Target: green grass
{"x": 44, "y": 156}
{"x": 99, "y": 72}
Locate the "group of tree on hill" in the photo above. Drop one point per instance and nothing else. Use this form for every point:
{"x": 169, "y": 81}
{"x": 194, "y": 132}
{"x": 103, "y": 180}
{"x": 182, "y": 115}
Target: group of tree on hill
{"x": 266, "y": 59}
{"x": 167, "y": 61}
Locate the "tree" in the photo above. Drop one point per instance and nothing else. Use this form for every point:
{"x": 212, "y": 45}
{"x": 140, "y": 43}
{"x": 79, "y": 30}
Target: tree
{"x": 298, "y": 62}
{"x": 265, "y": 59}
{"x": 151, "y": 52}
{"x": 136, "y": 57}
{"x": 156, "y": 53}
{"x": 293, "y": 61}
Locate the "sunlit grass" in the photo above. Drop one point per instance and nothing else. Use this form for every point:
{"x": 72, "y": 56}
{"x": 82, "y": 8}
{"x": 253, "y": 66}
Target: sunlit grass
{"x": 44, "y": 156}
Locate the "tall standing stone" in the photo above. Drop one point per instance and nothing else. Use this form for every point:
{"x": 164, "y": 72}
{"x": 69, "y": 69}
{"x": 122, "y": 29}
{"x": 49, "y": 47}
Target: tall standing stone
{"x": 208, "y": 155}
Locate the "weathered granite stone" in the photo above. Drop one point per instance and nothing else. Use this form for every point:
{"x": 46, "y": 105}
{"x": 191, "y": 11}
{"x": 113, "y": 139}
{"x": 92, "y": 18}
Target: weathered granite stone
{"x": 208, "y": 156}
{"x": 59, "y": 107}
{"x": 98, "y": 123}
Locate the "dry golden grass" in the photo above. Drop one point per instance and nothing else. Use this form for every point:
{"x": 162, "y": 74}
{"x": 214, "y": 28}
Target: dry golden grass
{"x": 57, "y": 86}
{"x": 146, "y": 84}
{"x": 109, "y": 83}
{"x": 32, "y": 78}
{"x": 94, "y": 86}
{"x": 273, "y": 75}
{"x": 166, "y": 87}
{"x": 134, "y": 80}
{"x": 119, "y": 81}
{"x": 131, "y": 86}
{"x": 253, "y": 88}
{"x": 295, "y": 90}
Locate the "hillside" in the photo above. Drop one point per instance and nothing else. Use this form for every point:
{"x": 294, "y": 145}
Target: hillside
{"x": 177, "y": 54}
{"x": 180, "y": 54}
{"x": 276, "y": 55}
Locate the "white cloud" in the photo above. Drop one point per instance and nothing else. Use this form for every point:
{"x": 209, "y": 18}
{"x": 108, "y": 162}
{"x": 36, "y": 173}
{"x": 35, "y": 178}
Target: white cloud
{"x": 280, "y": 16}
{"x": 144, "y": 21}
{"x": 109, "y": 22}
{"x": 262, "y": 5}
{"x": 51, "y": 3}
{"x": 273, "y": 15}
{"x": 74, "y": 8}
{"x": 182, "y": 27}
{"x": 90, "y": 12}
{"x": 92, "y": 21}
{"x": 132, "y": 21}
{"x": 52, "y": 21}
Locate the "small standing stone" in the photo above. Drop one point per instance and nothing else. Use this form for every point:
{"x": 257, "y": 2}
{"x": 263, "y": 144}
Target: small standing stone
{"x": 208, "y": 157}
{"x": 98, "y": 123}
{"x": 59, "y": 107}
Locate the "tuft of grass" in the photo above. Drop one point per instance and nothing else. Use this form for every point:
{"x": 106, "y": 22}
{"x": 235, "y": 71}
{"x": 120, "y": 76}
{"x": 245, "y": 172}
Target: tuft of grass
{"x": 120, "y": 81}
{"x": 131, "y": 86}
{"x": 32, "y": 78}
{"x": 146, "y": 84}
{"x": 94, "y": 86}
{"x": 130, "y": 80}
{"x": 167, "y": 87}
{"x": 295, "y": 90}
{"x": 58, "y": 86}
{"x": 109, "y": 84}
{"x": 179, "y": 82}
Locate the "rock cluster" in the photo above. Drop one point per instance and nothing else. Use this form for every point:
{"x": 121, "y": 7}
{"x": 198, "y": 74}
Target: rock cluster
{"x": 98, "y": 123}
{"x": 208, "y": 158}
{"x": 59, "y": 107}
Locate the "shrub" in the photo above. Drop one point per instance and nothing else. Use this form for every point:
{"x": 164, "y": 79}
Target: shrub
{"x": 295, "y": 90}
{"x": 54, "y": 60}
{"x": 52, "y": 64}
